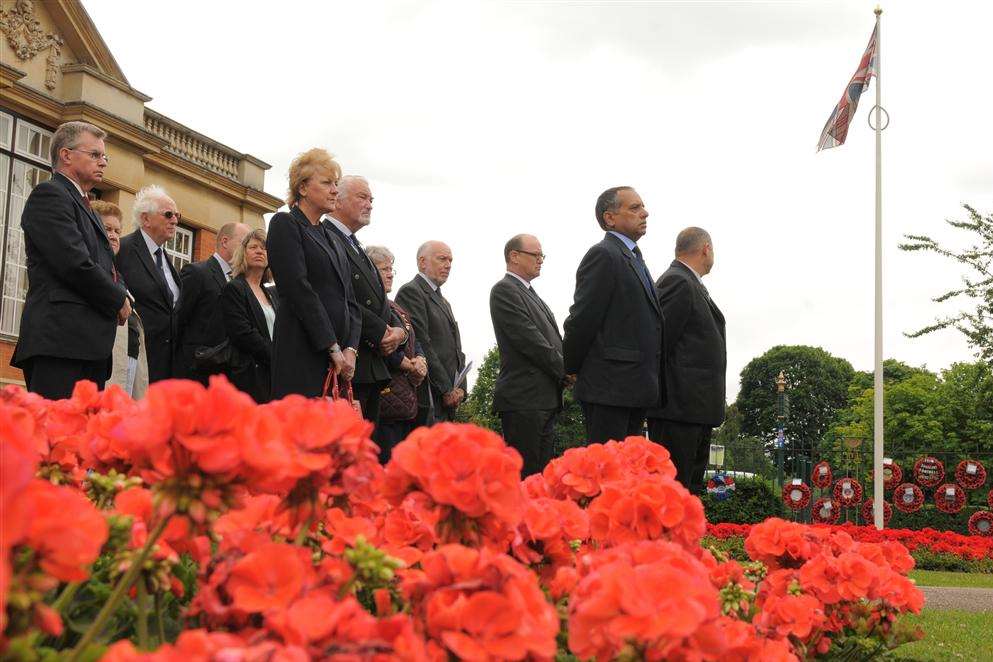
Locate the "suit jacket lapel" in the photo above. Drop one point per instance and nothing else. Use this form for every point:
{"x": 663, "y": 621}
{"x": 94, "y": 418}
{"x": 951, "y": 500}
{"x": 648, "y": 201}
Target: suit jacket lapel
{"x": 254, "y": 306}
{"x": 632, "y": 261}
{"x": 90, "y": 214}
{"x": 715, "y": 311}
{"x": 217, "y": 271}
{"x": 330, "y": 250}
{"x": 436, "y": 298}
{"x": 361, "y": 262}
{"x": 537, "y": 301}
{"x": 146, "y": 259}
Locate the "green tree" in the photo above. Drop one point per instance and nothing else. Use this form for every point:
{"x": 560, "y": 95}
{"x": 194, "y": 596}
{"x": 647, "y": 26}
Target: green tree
{"x": 977, "y": 285}
{"x": 478, "y": 407}
{"x": 949, "y": 415}
{"x": 817, "y": 388}
{"x": 741, "y": 452}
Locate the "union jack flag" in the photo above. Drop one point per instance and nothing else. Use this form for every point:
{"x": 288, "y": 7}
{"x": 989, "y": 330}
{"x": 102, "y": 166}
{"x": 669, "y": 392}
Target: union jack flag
{"x": 836, "y": 129}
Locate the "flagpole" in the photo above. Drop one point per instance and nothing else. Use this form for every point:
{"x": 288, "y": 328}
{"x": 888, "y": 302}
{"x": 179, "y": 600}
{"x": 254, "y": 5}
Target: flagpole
{"x": 877, "y": 436}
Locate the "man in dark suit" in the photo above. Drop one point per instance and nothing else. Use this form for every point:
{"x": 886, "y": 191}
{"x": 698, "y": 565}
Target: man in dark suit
{"x": 695, "y": 353}
{"x": 613, "y": 335}
{"x": 198, "y": 313}
{"x": 380, "y": 336}
{"x": 74, "y": 301}
{"x": 528, "y": 391}
{"x": 437, "y": 331}
{"x": 152, "y": 280}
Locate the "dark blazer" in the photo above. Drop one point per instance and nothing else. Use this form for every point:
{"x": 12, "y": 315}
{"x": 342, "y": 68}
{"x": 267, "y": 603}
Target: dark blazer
{"x": 71, "y": 306}
{"x": 317, "y": 305}
{"x": 245, "y": 328}
{"x": 151, "y": 295}
{"x": 613, "y": 335}
{"x": 531, "y": 367}
{"x": 695, "y": 350}
{"x": 376, "y": 315}
{"x": 198, "y": 315}
{"x": 438, "y": 333}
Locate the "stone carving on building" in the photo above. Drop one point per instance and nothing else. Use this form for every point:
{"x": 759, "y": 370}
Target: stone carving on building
{"x": 25, "y": 35}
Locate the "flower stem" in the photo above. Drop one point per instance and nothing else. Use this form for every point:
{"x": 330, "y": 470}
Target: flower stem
{"x": 123, "y": 584}
{"x": 158, "y": 618}
{"x": 66, "y": 596}
{"x": 304, "y": 530}
{"x": 142, "y": 624}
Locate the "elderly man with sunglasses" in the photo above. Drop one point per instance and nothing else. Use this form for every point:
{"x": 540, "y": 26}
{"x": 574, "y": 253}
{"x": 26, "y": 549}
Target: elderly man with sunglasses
{"x": 74, "y": 300}
{"x": 152, "y": 279}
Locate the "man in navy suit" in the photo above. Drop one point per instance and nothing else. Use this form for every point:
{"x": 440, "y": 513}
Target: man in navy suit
{"x": 613, "y": 335}
{"x": 75, "y": 299}
{"x": 695, "y": 353}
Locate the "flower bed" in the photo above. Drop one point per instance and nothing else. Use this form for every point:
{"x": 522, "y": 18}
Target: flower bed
{"x": 304, "y": 547}
{"x": 939, "y": 542}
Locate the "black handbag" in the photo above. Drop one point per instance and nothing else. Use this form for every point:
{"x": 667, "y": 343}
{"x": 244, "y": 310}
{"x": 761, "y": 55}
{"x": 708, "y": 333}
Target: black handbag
{"x": 219, "y": 358}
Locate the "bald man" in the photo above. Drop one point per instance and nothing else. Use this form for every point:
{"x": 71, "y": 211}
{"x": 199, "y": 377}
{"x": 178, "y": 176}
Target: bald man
{"x": 437, "y": 331}
{"x": 198, "y": 313}
{"x": 696, "y": 360}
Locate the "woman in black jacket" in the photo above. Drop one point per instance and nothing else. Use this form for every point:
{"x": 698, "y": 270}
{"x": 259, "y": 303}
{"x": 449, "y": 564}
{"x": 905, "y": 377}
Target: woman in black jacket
{"x": 248, "y": 307}
{"x": 318, "y": 322}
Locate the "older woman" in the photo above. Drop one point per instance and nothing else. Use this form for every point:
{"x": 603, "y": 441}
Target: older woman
{"x": 398, "y": 401}
{"x": 129, "y": 364}
{"x": 248, "y": 309}
{"x": 318, "y": 321}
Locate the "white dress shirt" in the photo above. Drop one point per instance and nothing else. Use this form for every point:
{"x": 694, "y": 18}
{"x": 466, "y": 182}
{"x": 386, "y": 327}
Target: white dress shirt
{"x": 166, "y": 271}
{"x": 225, "y": 267}
{"x": 434, "y": 288}
{"x": 698, "y": 276}
{"x": 525, "y": 283}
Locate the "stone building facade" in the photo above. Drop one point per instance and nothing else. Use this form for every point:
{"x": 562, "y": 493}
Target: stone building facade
{"x": 55, "y": 67}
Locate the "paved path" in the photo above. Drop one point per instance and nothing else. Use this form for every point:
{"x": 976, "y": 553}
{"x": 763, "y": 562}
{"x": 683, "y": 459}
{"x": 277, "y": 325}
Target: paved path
{"x": 965, "y": 599}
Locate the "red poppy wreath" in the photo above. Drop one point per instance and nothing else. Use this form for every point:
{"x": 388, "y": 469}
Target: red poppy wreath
{"x": 981, "y": 523}
{"x": 950, "y": 498}
{"x": 848, "y": 492}
{"x": 821, "y": 476}
{"x": 867, "y": 515}
{"x": 970, "y": 474}
{"x": 825, "y": 511}
{"x": 908, "y": 498}
{"x": 796, "y": 495}
{"x": 929, "y": 471}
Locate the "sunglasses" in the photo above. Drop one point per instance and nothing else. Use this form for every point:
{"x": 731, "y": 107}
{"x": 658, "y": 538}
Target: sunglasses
{"x": 169, "y": 215}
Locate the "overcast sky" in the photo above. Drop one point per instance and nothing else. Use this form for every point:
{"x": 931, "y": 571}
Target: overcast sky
{"x": 478, "y": 120}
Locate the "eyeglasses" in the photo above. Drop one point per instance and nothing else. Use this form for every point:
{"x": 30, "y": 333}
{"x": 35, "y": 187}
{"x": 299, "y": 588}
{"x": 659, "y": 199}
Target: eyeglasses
{"x": 537, "y": 256}
{"x": 390, "y": 271}
{"x": 169, "y": 214}
{"x": 95, "y": 155}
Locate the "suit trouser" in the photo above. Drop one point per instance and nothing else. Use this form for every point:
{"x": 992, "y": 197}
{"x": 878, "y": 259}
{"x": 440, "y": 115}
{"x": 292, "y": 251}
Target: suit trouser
{"x": 606, "y": 422}
{"x": 530, "y": 432}
{"x": 689, "y": 446}
{"x": 368, "y": 397}
{"x": 54, "y": 377}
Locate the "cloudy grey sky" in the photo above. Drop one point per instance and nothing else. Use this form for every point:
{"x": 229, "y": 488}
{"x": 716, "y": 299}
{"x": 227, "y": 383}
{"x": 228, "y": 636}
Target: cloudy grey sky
{"x": 478, "y": 120}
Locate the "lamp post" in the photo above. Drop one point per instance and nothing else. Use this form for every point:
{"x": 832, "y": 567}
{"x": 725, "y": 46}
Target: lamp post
{"x": 780, "y": 423}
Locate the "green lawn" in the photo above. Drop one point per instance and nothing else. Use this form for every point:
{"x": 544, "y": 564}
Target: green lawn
{"x": 941, "y": 578}
{"x": 951, "y": 635}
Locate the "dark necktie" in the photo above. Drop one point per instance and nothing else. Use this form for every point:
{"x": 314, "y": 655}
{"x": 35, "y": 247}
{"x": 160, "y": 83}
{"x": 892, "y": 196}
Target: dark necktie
{"x": 160, "y": 263}
{"x": 646, "y": 278}
{"x": 356, "y": 244}
{"x": 86, "y": 202}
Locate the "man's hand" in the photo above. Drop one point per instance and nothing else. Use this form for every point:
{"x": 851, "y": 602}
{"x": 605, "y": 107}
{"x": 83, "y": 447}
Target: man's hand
{"x": 453, "y": 398}
{"x": 124, "y": 313}
{"x": 420, "y": 370}
{"x": 569, "y": 381}
{"x": 348, "y": 370}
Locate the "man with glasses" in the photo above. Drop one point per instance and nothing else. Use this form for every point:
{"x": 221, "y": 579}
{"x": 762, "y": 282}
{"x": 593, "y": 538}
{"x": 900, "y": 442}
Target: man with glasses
{"x": 75, "y": 299}
{"x": 152, "y": 279}
{"x": 528, "y": 392}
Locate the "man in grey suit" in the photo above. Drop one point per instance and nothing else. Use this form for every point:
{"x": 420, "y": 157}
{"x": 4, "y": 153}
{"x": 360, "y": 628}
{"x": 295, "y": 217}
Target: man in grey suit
{"x": 437, "y": 331}
{"x": 695, "y": 358}
{"x": 528, "y": 391}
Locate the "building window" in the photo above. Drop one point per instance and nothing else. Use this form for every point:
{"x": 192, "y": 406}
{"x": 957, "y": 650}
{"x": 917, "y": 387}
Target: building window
{"x": 180, "y": 248}
{"x": 23, "y": 165}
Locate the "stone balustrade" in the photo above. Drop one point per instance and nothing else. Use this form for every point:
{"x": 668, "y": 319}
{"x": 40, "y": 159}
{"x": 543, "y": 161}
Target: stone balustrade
{"x": 191, "y": 146}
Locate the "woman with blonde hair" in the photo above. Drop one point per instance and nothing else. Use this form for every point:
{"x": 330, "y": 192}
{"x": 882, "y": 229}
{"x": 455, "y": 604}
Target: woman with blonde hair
{"x": 248, "y": 309}
{"x": 318, "y": 322}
